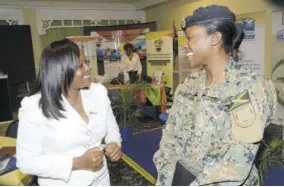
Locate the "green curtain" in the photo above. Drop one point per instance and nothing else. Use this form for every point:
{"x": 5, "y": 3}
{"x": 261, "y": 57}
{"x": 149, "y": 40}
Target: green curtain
{"x": 59, "y": 34}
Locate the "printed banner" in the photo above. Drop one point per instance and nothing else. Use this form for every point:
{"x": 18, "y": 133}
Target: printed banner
{"x": 160, "y": 57}
{"x": 87, "y": 45}
{"x": 184, "y": 68}
{"x": 252, "y": 49}
{"x": 110, "y": 47}
{"x": 278, "y": 61}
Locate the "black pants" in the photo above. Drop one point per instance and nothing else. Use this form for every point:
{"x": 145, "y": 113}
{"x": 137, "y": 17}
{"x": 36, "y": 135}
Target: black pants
{"x": 133, "y": 76}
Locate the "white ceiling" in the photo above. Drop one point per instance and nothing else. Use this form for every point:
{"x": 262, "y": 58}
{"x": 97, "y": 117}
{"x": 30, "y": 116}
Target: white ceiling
{"x": 93, "y": 1}
{"x": 83, "y": 4}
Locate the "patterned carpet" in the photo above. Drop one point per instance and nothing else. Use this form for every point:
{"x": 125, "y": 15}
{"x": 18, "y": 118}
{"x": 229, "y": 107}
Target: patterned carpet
{"x": 121, "y": 174}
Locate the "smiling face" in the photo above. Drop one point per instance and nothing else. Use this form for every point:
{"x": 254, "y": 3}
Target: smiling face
{"x": 199, "y": 44}
{"x": 81, "y": 78}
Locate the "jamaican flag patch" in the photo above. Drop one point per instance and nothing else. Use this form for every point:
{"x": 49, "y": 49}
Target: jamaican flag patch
{"x": 240, "y": 100}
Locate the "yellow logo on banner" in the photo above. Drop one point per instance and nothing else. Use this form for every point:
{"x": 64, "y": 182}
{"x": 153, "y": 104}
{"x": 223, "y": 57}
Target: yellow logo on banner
{"x": 159, "y": 44}
{"x": 157, "y": 35}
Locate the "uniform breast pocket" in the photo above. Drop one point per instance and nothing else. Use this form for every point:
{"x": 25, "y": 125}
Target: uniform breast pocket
{"x": 246, "y": 124}
{"x": 245, "y": 118}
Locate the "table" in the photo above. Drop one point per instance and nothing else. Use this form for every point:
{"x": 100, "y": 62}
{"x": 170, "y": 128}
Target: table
{"x": 154, "y": 92}
{"x": 16, "y": 177}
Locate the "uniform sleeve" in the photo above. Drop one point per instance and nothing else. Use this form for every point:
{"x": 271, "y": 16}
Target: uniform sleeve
{"x": 166, "y": 157}
{"x": 231, "y": 163}
{"x": 30, "y": 156}
{"x": 271, "y": 94}
{"x": 124, "y": 65}
{"x": 113, "y": 134}
{"x": 139, "y": 66}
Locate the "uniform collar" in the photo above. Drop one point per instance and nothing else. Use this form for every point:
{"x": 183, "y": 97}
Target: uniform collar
{"x": 234, "y": 81}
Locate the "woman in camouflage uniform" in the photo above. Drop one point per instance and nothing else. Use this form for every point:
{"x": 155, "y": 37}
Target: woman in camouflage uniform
{"x": 220, "y": 112}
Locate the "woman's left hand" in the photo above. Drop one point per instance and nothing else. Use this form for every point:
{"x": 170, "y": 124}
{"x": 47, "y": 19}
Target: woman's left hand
{"x": 113, "y": 151}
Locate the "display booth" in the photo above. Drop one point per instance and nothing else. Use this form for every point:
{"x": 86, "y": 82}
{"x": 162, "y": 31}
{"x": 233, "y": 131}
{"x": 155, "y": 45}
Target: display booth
{"x": 87, "y": 46}
{"x": 115, "y": 36}
{"x": 102, "y": 47}
{"x": 110, "y": 48}
{"x": 159, "y": 47}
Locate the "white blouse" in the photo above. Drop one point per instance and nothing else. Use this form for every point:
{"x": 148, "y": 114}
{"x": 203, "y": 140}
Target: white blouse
{"x": 132, "y": 65}
{"x": 46, "y": 147}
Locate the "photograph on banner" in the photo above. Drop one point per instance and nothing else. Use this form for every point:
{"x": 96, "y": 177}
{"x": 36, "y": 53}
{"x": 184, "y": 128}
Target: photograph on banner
{"x": 109, "y": 45}
{"x": 87, "y": 46}
{"x": 252, "y": 49}
{"x": 277, "y": 60}
{"x": 159, "y": 47}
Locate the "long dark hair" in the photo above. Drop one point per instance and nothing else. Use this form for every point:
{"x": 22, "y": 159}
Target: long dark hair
{"x": 58, "y": 64}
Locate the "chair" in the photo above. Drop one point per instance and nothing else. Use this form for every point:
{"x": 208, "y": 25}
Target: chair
{"x": 164, "y": 117}
{"x": 12, "y": 130}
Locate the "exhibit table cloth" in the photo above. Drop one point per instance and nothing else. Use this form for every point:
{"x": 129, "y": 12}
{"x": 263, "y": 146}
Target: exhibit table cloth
{"x": 153, "y": 92}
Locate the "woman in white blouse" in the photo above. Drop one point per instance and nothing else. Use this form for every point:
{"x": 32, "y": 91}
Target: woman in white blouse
{"x": 131, "y": 63}
{"x": 62, "y": 126}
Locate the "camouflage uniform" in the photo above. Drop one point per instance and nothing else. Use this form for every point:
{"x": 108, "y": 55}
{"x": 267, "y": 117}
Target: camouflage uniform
{"x": 216, "y": 130}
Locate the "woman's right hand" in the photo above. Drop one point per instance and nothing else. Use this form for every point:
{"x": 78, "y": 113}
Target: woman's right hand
{"x": 91, "y": 159}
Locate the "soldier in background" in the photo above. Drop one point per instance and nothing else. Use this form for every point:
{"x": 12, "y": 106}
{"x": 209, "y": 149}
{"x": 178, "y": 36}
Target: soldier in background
{"x": 219, "y": 113}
